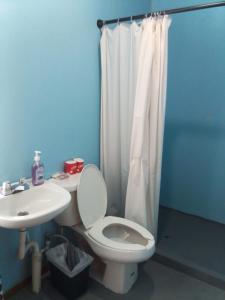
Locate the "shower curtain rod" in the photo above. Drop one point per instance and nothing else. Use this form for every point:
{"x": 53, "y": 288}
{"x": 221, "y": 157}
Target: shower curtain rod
{"x": 101, "y": 23}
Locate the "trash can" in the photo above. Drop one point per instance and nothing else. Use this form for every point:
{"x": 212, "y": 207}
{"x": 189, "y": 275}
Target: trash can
{"x": 72, "y": 282}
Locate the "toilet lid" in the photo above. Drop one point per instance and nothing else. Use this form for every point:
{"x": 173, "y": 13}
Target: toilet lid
{"x": 91, "y": 196}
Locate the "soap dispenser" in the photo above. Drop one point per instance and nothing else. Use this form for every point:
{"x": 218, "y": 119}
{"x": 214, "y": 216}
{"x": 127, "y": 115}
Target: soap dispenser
{"x": 37, "y": 169}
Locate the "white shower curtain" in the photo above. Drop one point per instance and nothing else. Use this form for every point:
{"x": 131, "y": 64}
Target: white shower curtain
{"x": 142, "y": 201}
{"x": 134, "y": 76}
{"x": 119, "y": 59}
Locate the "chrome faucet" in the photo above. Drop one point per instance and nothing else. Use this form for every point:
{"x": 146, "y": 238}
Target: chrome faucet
{"x": 10, "y": 188}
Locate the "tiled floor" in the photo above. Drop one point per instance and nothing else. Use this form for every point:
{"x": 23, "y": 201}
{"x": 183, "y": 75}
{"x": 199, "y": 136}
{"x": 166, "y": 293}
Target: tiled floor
{"x": 155, "y": 282}
{"x": 197, "y": 243}
{"x": 193, "y": 241}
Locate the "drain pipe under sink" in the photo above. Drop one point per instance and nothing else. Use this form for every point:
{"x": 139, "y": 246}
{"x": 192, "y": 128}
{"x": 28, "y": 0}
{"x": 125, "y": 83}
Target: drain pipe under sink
{"x": 36, "y": 258}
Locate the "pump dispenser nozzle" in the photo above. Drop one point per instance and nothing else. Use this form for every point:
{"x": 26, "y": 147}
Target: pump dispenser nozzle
{"x": 37, "y": 156}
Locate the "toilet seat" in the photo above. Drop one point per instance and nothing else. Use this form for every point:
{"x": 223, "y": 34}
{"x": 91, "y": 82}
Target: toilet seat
{"x": 97, "y": 233}
{"x": 114, "y": 235}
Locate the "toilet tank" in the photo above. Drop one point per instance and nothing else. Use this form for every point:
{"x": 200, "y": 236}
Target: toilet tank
{"x": 70, "y": 216}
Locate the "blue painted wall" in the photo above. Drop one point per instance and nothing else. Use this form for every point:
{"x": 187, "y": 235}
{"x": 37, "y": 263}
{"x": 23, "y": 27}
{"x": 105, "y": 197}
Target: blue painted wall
{"x": 49, "y": 92}
{"x": 193, "y": 176}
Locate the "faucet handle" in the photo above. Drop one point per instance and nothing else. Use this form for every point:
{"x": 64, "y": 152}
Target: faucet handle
{"x": 22, "y": 180}
{"x": 6, "y": 188}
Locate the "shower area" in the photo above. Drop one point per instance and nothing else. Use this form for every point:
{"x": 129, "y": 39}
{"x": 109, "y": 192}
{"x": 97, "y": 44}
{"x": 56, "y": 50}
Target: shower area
{"x": 191, "y": 223}
{"x": 191, "y": 232}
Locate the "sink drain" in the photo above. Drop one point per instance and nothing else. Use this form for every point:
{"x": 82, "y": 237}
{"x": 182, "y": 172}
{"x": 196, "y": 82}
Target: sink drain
{"x": 23, "y": 213}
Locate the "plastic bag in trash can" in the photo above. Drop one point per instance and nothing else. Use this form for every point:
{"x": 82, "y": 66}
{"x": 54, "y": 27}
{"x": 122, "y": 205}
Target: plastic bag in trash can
{"x": 57, "y": 256}
{"x": 72, "y": 257}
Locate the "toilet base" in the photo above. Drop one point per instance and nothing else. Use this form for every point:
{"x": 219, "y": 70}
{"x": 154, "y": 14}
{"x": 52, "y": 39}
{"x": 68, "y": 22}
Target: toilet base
{"x": 116, "y": 277}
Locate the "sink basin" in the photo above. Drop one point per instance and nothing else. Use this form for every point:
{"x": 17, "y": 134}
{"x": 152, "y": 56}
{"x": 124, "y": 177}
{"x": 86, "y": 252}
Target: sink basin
{"x": 33, "y": 207}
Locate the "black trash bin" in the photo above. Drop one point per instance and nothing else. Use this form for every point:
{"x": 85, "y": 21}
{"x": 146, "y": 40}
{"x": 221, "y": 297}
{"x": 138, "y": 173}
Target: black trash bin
{"x": 71, "y": 283}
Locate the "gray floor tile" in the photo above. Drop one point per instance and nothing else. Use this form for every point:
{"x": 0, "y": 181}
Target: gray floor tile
{"x": 155, "y": 282}
{"x": 192, "y": 240}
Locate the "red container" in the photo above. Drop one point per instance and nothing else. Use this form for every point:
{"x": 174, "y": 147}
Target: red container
{"x": 70, "y": 167}
{"x": 74, "y": 166}
{"x": 79, "y": 164}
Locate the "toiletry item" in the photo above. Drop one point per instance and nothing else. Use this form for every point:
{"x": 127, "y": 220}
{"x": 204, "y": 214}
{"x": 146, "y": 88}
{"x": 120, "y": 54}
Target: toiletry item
{"x": 60, "y": 176}
{"x": 70, "y": 167}
{"x": 37, "y": 169}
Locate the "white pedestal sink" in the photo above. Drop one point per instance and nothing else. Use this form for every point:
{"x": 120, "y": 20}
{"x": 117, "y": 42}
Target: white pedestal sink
{"x": 29, "y": 208}
{"x": 33, "y": 207}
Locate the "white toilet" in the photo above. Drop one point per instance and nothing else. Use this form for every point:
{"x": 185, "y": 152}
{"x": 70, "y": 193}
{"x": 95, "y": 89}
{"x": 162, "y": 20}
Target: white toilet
{"x": 121, "y": 244}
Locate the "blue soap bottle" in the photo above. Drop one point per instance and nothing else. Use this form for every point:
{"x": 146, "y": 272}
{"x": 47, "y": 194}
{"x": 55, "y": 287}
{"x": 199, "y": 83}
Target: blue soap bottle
{"x": 37, "y": 169}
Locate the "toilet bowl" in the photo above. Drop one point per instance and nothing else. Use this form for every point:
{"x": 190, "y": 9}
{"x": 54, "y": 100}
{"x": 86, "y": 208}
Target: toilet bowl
{"x": 120, "y": 243}
{"x": 120, "y": 240}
